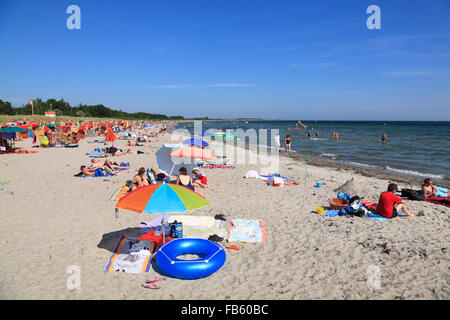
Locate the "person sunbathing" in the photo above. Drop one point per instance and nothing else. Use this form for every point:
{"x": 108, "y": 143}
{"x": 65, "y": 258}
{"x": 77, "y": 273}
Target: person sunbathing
{"x": 97, "y": 170}
{"x": 137, "y": 144}
{"x": 19, "y": 150}
{"x": 91, "y": 172}
{"x": 99, "y": 163}
{"x": 139, "y": 180}
{"x": 129, "y": 151}
{"x": 184, "y": 179}
{"x": 389, "y": 205}
{"x": 429, "y": 190}
{"x": 200, "y": 180}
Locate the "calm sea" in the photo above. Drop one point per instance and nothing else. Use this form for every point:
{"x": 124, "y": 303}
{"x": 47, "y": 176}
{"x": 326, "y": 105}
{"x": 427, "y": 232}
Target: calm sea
{"x": 419, "y": 149}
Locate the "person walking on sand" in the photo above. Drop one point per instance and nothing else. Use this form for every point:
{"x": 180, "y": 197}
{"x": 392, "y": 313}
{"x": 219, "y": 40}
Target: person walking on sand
{"x": 389, "y": 205}
{"x": 287, "y": 143}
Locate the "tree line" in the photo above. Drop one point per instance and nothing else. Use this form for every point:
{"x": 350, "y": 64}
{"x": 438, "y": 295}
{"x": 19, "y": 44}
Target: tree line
{"x": 63, "y": 108}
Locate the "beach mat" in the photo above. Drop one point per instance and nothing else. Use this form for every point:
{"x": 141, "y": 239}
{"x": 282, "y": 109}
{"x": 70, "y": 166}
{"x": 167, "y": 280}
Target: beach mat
{"x": 123, "y": 260}
{"x": 445, "y": 201}
{"x": 193, "y": 226}
{"x": 247, "y": 231}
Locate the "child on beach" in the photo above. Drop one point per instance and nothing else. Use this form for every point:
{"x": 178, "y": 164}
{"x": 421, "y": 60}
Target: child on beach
{"x": 200, "y": 179}
{"x": 389, "y": 204}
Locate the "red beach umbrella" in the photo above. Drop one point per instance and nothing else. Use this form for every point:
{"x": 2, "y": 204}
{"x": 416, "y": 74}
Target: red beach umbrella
{"x": 110, "y": 136}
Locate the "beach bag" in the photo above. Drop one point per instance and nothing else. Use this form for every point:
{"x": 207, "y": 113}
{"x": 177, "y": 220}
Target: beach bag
{"x": 45, "y": 141}
{"x": 412, "y": 195}
{"x": 276, "y": 181}
{"x": 176, "y": 229}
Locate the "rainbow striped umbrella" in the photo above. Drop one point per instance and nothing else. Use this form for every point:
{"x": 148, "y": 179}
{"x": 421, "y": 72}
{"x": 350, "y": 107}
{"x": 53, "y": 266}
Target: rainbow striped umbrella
{"x": 162, "y": 198}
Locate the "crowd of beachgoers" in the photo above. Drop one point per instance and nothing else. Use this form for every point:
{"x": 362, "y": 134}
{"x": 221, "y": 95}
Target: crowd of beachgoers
{"x": 297, "y": 249}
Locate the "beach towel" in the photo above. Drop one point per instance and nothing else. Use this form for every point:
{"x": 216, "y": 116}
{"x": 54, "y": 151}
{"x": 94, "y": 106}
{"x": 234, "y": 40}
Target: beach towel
{"x": 125, "y": 260}
{"x": 247, "y": 231}
{"x": 22, "y": 152}
{"x": 369, "y": 215}
{"x": 119, "y": 193}
{"x": 193, "y": 226}
{"x": 445, "y": 201}
{"x": 286, "y": 181}
{"x": 3, "y": 181}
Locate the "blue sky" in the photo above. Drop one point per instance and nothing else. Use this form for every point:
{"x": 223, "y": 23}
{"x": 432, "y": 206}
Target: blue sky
{"x": 313, "y": 60}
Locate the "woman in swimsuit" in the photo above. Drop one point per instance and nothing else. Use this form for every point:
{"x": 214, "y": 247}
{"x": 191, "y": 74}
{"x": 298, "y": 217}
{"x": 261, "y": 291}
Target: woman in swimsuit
{"x": 139, "y": 180}
{"x": 184, "y": 179}
{"x": 287, "y": 143}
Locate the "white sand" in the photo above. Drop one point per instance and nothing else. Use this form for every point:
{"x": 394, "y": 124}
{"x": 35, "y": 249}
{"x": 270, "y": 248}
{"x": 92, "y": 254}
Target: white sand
{"x": 51, "y": 220}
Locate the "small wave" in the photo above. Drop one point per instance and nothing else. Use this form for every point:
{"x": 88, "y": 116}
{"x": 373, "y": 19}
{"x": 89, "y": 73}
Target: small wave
{"x": 362, "y": 164}
{"x": 331, "y": 155}
{"x": 415, "y": 173}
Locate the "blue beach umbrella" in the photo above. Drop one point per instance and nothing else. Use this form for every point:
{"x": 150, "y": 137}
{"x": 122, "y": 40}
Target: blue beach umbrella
{"x": 196, "y": 142}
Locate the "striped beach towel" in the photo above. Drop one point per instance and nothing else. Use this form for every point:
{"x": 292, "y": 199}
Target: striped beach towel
{"x": 123, "y": 260}
{"x": 119, "y": 193}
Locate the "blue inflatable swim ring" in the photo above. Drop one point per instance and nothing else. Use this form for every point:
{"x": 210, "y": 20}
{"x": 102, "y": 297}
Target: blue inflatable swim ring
{"x": 212, "y": 258}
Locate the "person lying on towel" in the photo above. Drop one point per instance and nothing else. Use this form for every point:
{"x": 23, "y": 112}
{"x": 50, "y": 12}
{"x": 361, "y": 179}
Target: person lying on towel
{"x": 97, "y": 172}
{"x": 137, "y": 144}
{"x": 99, "y": 163}
{"x": 129, "y": 151}
{"x": 389, "y": 204}
{"x": 429, "y": 190}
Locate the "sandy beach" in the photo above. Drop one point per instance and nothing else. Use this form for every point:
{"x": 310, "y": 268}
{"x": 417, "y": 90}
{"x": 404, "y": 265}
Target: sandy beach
{"x": 52, "y": 221}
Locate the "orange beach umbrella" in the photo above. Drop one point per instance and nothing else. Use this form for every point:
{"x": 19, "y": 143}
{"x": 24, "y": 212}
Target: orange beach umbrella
{"x": 110, "y": 136}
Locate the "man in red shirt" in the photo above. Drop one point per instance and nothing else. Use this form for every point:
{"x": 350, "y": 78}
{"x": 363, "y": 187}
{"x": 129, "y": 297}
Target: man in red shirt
{"x": 389, "y": 204}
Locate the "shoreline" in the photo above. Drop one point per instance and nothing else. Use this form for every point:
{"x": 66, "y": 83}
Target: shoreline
{"x": 320, "y": 162}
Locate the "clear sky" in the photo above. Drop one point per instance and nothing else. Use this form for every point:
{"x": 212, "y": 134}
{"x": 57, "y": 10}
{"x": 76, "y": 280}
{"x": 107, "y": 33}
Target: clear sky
{"x": 313, "y": 60}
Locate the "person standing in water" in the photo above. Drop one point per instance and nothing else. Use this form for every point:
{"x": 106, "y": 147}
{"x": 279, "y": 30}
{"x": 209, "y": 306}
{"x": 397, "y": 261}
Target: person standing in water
{"x": 336, "y": 136}
{"x": 309, "y": 133}
{"x": 287, "y": 143}
{"x": 317, "y": 134}
{"x": 333, "y": 135}
{"x": 384, "y": 138}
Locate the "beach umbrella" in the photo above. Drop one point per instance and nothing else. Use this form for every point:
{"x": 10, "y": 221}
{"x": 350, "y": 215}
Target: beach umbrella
{"x": 193, "y": 153}
{"x": 13, "y": 130}
{"x": 9, "y": 133}
{"x": 110, "y": 136}
{"x": 162, "y": 198}
{"x": 196, "y": 142}
{"x": 225, "y": 135}
{"x": 167, "y": 164}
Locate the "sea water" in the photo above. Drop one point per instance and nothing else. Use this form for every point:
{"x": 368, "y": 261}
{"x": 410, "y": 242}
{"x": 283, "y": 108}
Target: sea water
{"x": 413, "y": 148}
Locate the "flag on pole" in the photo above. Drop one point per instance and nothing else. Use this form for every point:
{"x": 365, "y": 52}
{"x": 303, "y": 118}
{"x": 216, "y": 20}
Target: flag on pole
{"x": 30, "y": 102}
